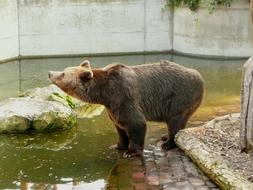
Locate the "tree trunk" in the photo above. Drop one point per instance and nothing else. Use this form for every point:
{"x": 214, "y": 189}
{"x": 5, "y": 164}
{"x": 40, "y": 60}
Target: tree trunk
{"x": 246, "y": 134}
{"x": 251, "y": 9}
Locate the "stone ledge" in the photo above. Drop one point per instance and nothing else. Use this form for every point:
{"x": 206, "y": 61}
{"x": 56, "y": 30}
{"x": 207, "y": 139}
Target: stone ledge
{"x": 211, "y": 163}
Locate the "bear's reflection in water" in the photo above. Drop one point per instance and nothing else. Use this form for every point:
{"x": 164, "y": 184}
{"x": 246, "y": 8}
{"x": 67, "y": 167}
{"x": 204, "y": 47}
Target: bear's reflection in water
{"x": 125, "y": 174}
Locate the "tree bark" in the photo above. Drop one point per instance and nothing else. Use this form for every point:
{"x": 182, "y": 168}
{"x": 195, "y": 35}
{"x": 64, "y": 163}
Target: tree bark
{"x": 246, "y": 134}
{"x": 251, "y": 9}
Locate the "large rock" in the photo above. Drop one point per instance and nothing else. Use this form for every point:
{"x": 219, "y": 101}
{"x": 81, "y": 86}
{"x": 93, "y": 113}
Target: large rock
{"x": 54, "y": 93}
{"x": 25, "y": 114}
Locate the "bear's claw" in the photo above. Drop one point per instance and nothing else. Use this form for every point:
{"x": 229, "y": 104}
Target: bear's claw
{"x": 130, "y": 154}
{"x": 164, "y": 137}
{"x": 118, "y": 147}
{"x": 168, "y": 145}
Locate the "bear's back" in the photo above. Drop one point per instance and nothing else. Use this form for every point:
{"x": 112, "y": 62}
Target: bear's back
{"x": 165, "y": 83}
{"x": 160, "y": 89}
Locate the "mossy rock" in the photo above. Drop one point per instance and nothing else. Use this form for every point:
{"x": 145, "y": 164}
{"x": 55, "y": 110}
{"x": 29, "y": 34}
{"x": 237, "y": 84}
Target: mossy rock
{"x": 26, "y": 114}
{"x": 54, "y": 93}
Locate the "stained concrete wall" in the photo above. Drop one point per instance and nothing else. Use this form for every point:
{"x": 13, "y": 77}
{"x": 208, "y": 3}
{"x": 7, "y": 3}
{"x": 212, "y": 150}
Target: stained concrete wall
{"x": 57, "y": 27}
{"x": 8, "y": 29}
{"x": 226, "y": 32}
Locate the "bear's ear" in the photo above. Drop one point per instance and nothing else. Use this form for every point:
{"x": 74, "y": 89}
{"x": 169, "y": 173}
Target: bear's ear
{"x": 85, "y": 63}
{"x": 86, "y": 75}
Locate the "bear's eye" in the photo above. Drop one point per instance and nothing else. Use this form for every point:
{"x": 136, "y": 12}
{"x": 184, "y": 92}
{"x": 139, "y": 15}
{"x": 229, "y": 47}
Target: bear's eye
{"x": 63, "y": 74}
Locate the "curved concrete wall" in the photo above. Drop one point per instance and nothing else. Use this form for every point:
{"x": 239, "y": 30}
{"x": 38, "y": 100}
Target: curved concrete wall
{"x": 56, "y": 27}
{"x": 226, "y": 32}
{"x": 52, "y": 27}
{"x": 9, "y": 45}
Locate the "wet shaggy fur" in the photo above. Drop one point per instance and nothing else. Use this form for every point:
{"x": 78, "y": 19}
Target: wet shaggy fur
{"x": 163, "y": 91}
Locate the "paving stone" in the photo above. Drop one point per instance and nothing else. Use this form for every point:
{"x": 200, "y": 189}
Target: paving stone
{"x": 163, "y": 162}
{"x": 153, "y": 188}
{"x": 153, "y": 180}
{"x": 201, "y": 188}
{"x": 171, "y": 170}
{"x": 184, "y": 185}
{"x": 140, "y": 186}
{"x": 138, "y": 169}
{"x": 186, "y": 159}
{"x": 196, "y": 181}
{"x": 204, "y": 177}
{"x": 181, "y": 179}
{"x": 192, "y": 170}
{"x": 124, "y": 188}
{"x": 165, "y": 178}
{"x": 136, "y": 162}
{"x": 178, "y": 170}
{"x": 150, "y": 165}
{"x": 138, "y": 176}
{"x": 189, "y": 165}
{"x": 170, "y": 186}
{"x": 164, "y": 169}
{"x": 158, "y": 152}
{"x": 210, "y": 184}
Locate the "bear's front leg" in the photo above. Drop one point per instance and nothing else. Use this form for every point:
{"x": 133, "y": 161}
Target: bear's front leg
{"x": 136, "y": 135}
{"x": 133, "y": 123}
{"x": 136, "y": 131}
{"x": 123, "y": 140}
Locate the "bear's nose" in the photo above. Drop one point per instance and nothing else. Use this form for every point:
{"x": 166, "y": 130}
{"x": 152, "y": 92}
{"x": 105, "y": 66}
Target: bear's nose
{"x": 49, "y": 74}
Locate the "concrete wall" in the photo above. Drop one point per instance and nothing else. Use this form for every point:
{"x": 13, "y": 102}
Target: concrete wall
{"x": 226, "y": 32}
{"x": 57, "y": 27}
{"x": 8, "y": 29}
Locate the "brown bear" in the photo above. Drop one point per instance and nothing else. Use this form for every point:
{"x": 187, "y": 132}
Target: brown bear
{"x": 163, "y": 92}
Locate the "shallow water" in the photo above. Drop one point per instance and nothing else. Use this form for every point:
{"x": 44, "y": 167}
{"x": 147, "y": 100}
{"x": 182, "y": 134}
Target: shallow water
{"x": 80, "y": 158}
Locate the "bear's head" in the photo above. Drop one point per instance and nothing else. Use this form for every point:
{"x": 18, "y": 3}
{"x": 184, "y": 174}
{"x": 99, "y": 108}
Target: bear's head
{"x": 73, "y": 79}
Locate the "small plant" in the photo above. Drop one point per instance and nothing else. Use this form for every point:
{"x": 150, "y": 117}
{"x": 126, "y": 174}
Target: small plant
{"x": 215, "y": 3}
{"x": 194, "y": 4}
{"x": 65, "y": 99}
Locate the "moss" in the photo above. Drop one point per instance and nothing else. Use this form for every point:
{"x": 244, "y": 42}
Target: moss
{"x": 66, "y": 100}
{"x": 193, "y": 5}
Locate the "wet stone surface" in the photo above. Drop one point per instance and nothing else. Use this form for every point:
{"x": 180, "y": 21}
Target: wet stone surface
{"x": 159, "y": 170}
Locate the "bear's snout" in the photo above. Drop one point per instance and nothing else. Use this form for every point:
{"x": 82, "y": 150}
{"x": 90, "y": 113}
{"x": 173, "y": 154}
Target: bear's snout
{"x": 55, "y": 74}
{"x": 49, "y": 74}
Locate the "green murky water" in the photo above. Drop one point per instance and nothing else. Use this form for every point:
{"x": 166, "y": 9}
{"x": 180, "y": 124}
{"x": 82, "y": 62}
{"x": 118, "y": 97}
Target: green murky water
{"x": 80, "y": 158}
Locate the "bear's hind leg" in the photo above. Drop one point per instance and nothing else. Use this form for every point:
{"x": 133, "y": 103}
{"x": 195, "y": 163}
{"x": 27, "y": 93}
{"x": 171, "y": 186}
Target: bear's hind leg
{"x": 174, "y": 125}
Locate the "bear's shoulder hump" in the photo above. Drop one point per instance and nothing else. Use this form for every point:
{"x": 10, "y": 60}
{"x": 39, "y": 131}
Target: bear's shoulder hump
{"x": 114, "y": 66}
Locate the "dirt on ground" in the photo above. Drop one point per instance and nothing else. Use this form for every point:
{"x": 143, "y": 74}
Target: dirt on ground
{"x": 221, "y": 135}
